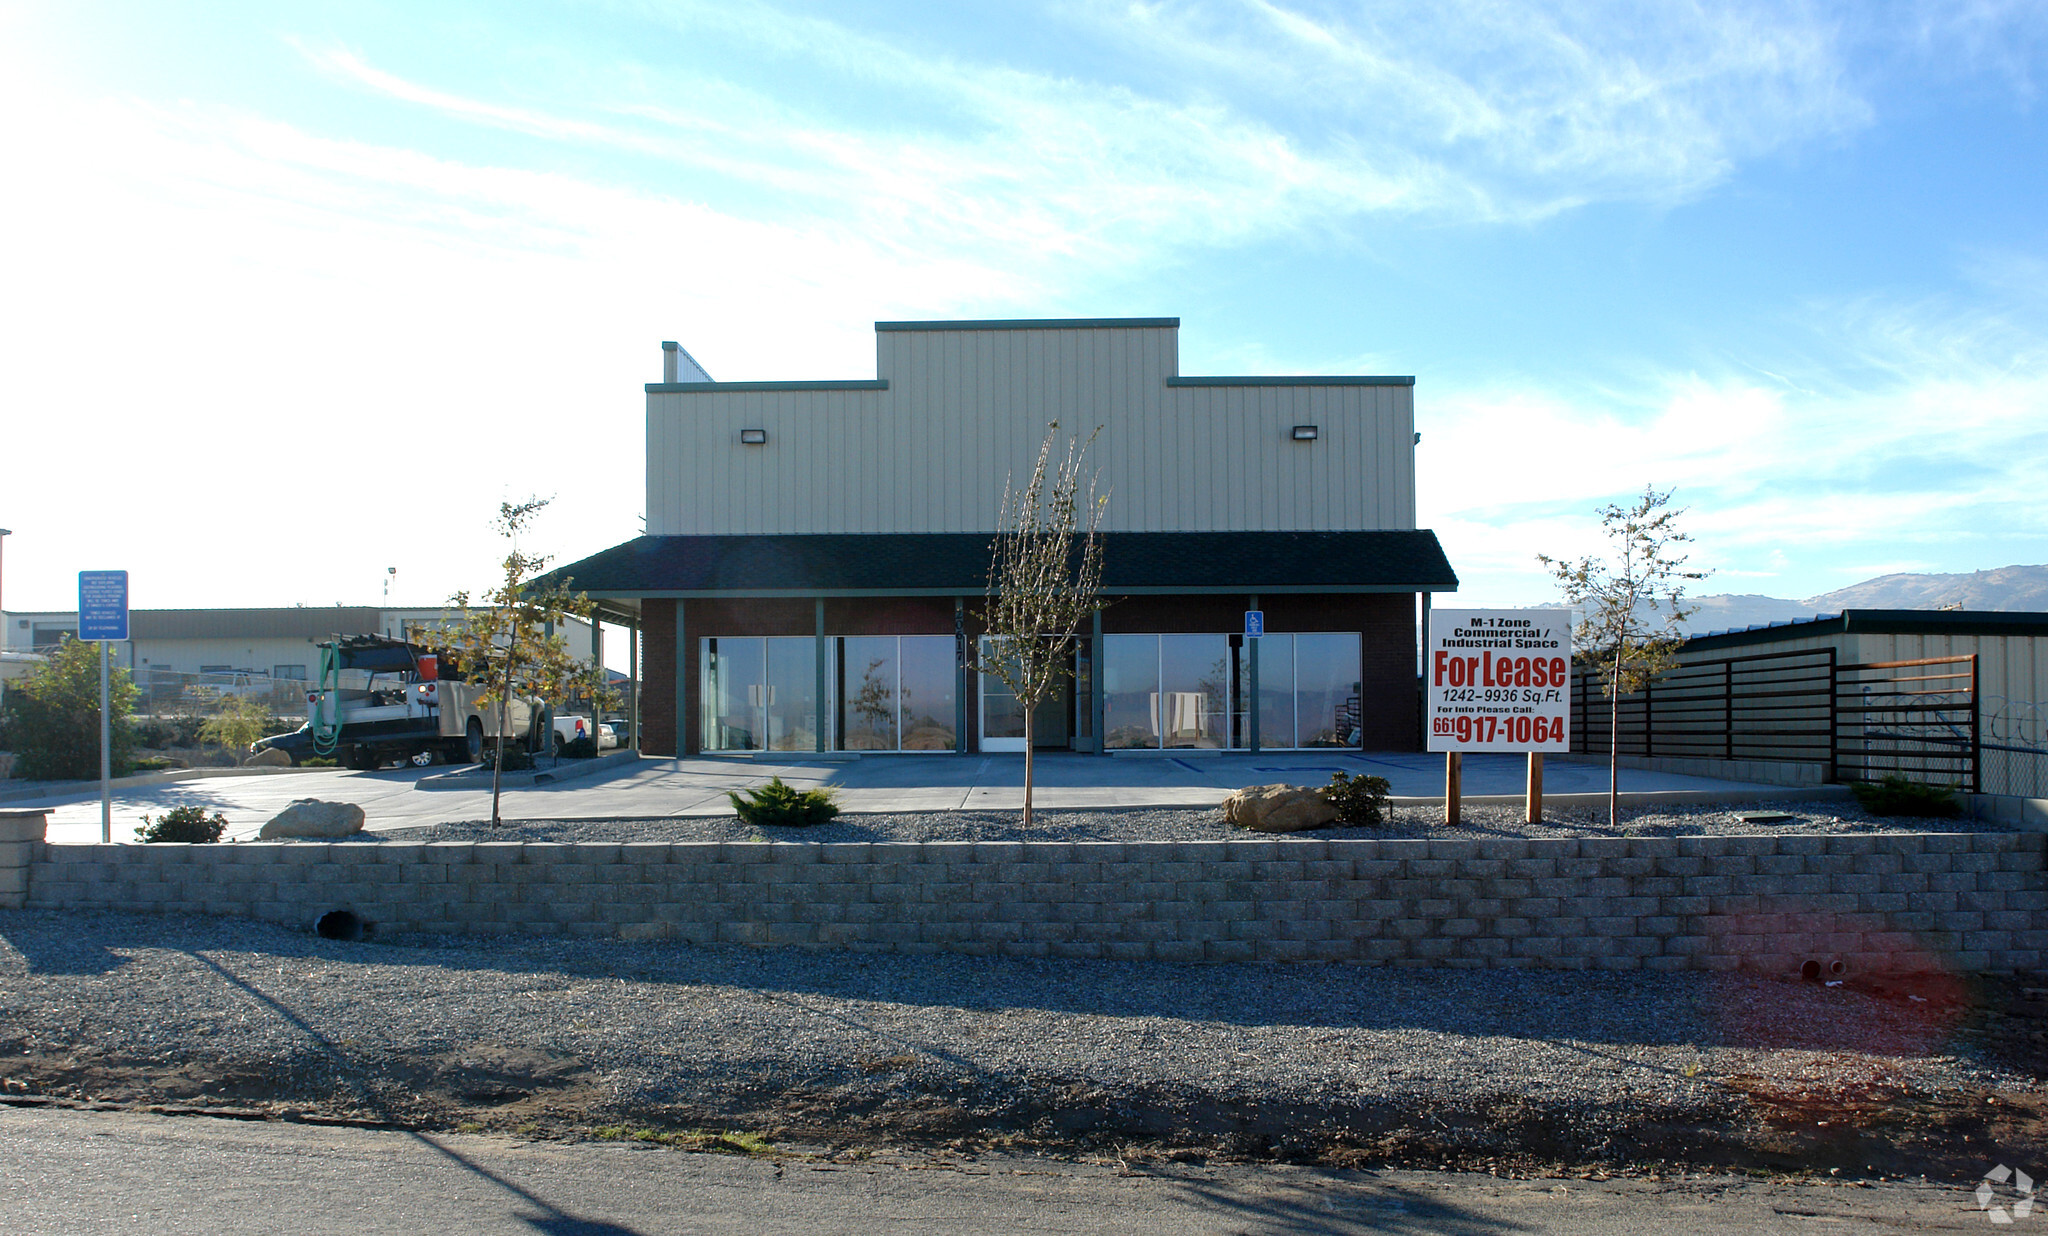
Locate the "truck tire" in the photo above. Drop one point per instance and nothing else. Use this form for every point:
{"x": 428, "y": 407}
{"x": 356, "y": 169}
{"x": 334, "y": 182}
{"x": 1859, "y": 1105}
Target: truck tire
{"x": 474, "y": 745}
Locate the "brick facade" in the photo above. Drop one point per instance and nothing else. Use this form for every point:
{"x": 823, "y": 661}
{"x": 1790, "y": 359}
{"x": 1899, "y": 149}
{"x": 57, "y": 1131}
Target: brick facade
{"x": 1385, "y": 621}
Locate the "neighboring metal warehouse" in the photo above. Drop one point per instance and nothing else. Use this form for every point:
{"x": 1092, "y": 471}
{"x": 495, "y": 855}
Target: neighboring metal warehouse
{"x": 815, "y": 551}
{"x": 238, "y": 649}
{"x": 1942, "y": 695}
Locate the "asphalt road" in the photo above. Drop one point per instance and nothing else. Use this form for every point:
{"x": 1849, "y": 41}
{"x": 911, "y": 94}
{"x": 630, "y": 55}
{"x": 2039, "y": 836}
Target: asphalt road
{"x": 66, "y": 1171}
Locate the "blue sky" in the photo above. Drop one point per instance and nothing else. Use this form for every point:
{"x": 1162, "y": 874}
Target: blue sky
{"x": 296, "y": 293}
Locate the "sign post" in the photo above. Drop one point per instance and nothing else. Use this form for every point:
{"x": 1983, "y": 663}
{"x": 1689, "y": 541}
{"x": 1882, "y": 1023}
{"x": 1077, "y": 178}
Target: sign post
{"x": 1498, "y": 680}
{"x": 103, "y": 616}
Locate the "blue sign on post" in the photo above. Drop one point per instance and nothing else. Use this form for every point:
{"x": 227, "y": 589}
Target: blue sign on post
{"x": 1254, "y": 623}
{"x": 103, "y": 605}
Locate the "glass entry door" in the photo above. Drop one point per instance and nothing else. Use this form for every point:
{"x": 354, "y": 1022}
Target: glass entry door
{"x": 1002, "y": 718}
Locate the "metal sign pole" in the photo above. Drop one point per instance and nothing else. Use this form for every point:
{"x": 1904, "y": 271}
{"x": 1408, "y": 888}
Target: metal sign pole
{"x": 103, "y": 618}
{"x": 106, "y": 755}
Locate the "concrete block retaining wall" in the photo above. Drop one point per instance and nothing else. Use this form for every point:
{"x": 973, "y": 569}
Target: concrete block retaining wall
{"x": 1878, "y": 902}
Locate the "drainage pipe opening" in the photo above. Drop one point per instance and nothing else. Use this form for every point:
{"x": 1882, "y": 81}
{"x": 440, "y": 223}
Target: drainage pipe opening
{"x": 1810, "y": 971}
{"x": 1838, "y": 967}
{"x": 340, "y": 925}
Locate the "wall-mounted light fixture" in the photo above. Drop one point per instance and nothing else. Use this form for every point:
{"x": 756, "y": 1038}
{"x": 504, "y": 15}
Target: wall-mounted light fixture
{"x": 1418, "y": 437}
{"x": 1305, "y": 433}
{"x": 754, "y": 437}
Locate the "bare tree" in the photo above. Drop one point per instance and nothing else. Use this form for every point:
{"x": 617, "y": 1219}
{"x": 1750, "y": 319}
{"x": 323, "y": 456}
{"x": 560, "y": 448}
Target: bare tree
{"x": 1631, "y": 609}
{"x": 508, "y": 644}
{"x": 1044, "y": 579}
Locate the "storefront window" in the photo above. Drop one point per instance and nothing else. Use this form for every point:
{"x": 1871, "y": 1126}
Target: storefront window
{"x": 760, "y": 693}
{"x": 733, "y": 676}
{"x": 1130, "y": 691}
{"x": 895, "y": 693}
{"x": 792, "y": 699}
{"x": 1276, "y": 690}
{"x": 867, "y": 692}
{"x": 1194, "y": 705}
{"x": 927, "y": 692}
{"x": 1326, "y": 689}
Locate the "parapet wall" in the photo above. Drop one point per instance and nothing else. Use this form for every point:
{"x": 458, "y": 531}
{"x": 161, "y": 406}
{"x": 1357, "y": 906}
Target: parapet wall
{"x": 1876, "y": 902}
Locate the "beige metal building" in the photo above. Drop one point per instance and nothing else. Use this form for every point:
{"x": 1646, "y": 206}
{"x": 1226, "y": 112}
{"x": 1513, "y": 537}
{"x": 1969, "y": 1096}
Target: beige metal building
{"x": 816, "y": 550}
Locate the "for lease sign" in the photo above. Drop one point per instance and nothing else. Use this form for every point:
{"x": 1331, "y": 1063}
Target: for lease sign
{"x": 1499, "y": 679}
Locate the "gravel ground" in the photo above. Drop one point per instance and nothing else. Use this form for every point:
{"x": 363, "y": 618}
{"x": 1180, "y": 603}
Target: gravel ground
{"x": 1426, "y": 1065}
{"x": 1183, "y": 824}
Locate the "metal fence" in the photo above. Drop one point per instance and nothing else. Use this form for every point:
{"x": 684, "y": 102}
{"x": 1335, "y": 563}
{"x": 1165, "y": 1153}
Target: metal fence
{"x": 2013, "y": 746}
{"x": 1917, "y": 718}
{"x": 171, "y": 693}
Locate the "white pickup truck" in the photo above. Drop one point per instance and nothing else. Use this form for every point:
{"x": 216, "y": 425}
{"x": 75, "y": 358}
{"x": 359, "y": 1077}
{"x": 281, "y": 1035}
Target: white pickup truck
{"x": 569, "y": 727}
{"x": 411, "y": 708}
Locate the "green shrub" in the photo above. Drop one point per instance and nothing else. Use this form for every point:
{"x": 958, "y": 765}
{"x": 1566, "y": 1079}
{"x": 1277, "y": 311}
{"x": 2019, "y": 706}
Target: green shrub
{"x": 578, "y": 748}
{"x": 1358, "y": 800}
{"x": 173, "y": 731}
{"x": 318, "y": 761}
{"x": 53, "y": 716}
{"x": 517, "y": 759}
{"x": 776, "y": 805}
{"x": 155, "y": 763}
{"x": 1897, "y": 794}
{"x": 186, "y": 824}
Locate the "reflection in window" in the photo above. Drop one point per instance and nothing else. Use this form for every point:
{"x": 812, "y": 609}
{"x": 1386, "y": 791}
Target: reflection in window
{"x": 1130, "y": 685}
{"x": 733, "y": 681}
{"x": 867, "y": 693}
{"x": 895, "y": 693}
{"x": 760, "y": 693}
{"x": 1001, "y": 715}
{"x": 926, "y": 694}
{"x": 1194, "y": 705}
{"x": 792, "y": 699}
{"x": 1276, "y": 690}
{"x": 1326, "y": 689}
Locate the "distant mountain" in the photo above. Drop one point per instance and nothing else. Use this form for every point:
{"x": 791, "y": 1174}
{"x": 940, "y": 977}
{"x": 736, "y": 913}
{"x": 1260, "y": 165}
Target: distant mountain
{"x": 2007, "y": 588}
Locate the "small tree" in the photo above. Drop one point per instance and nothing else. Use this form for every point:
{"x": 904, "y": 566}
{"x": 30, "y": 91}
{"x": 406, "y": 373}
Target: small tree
{"x": 507, "y": 643}
{"x": 238, "y": 724}
{"x": 1045, "y": 577}
{"x": 1630, "y": 609}
{"x": 53, "y": 716}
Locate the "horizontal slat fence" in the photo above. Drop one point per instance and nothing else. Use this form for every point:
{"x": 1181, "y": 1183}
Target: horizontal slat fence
{"x": 1917, "y": 717}
{"x": 1863, "y": 721}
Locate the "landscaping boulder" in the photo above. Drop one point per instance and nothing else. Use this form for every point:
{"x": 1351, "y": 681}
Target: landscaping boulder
{"x": 1278, "y": 809}
{"x": 268, "y": 758}
{"x": 309, "y": 817}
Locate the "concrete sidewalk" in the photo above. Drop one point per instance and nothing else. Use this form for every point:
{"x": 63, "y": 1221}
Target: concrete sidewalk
{"x": 696, "y": 786}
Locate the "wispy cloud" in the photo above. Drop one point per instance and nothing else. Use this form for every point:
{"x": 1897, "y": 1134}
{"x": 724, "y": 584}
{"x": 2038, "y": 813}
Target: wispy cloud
{"x": 1255, "y": 118}
{"x": 1924, "y": 433}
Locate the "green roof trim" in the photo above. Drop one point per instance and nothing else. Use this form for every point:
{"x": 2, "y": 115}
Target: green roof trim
{"x": 956, "y": 563}
{"x": 1034, "y": 324}
{"x": 1308, "y": 380}
{"x": 714, "y": 388}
